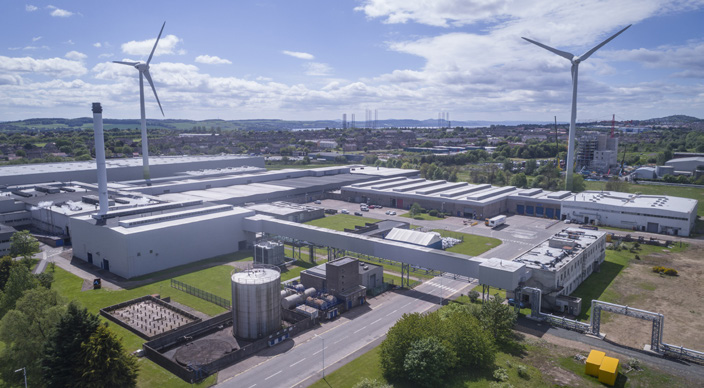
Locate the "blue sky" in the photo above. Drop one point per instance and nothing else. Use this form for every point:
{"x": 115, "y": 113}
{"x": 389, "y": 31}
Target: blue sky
{"x": 318, "y": 59}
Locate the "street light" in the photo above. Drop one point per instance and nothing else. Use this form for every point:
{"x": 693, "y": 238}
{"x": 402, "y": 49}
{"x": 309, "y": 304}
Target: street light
{"x": 24, "y": 372}
{"x": 323, "y": 358}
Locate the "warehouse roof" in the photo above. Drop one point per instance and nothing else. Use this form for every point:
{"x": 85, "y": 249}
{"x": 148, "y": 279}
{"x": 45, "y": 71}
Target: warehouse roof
{"x": 641, "y": 202}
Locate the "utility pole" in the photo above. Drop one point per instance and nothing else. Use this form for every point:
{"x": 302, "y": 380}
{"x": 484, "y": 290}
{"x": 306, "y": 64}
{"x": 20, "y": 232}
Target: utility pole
{"x": 323, "y": 358}
{"x": 24, "y": 372}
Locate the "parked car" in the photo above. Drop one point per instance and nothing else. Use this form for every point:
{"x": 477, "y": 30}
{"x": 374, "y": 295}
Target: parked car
{"x": 357, "y": 213}
{"x": 393, "y": 213}
{"x": 372, "y": 206}
{"x": 379, "y": 206}
{"x": 330, "y": 211}
{"x": 317, "y": 202}
{"x": 365, "y": 209}
{"x": 345, "y": 211}
{"x": 388, "y": 212}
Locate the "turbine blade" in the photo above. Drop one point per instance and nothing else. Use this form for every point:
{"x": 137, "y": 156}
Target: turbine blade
{"x": 126, "y": 63}
{"x": 590, "y": 52}
{"x": 151, "y": 83}
{"x": 155, "y": 43}
{"x": 563, "y": 54}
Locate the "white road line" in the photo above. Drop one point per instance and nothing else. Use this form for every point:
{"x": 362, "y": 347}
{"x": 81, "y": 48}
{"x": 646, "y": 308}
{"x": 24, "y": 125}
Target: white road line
{"x": 320, "y": 350}
{"x": 391, "y": 313}
{"x": 375, "y": 321}
{"x": 297, "y": 362}
{"x": 253, "y": 385}
{"x": 359, "y": 330}
{"x": 273, "y": 375}
{"x": 406, "y": 304}
{"x": 340, "y": 340}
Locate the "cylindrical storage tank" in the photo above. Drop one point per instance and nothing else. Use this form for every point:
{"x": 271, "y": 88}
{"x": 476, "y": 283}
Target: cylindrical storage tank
{"x": 256, "y": 301}
{"x": 286, "y": 292}
{"x": 309, "y": 292}
{"x": 292, "y": 301}
{"x": 330, "y": 299}
{"x": 300, "y": 287}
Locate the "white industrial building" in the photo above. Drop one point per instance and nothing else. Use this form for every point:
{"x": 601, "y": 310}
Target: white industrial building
{"x": 686, "y": 165}
{"x": 561, "y": 263}
{"x": 646, "y": 213}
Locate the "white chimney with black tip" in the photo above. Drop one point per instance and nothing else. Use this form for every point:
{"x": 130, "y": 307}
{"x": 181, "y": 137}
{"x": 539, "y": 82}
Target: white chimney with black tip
{"x": 100, "y": 158}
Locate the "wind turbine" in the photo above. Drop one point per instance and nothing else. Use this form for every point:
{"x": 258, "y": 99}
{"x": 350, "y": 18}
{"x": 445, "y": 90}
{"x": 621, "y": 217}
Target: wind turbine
{"x": 144, "y": 73}
{"x": 575, "y": 68}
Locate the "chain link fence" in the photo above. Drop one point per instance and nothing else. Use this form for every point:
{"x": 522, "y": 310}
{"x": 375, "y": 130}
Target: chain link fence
{"x": 198, "y": 293}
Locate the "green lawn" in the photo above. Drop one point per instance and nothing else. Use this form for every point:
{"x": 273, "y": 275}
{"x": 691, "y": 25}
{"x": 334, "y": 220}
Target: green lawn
{"x": 422, "y": 216}
{"x": 675, "y": 191}
{"x": 597, "y": 285}
{"x": 69, "y": 286}
{"x": 341, "y": 221}
{"x": 471, "y": 245}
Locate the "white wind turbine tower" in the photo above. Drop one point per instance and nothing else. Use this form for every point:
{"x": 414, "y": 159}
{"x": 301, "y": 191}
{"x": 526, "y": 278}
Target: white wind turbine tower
{"x": 144, "y": 73}
{"x": 575, "y": 67}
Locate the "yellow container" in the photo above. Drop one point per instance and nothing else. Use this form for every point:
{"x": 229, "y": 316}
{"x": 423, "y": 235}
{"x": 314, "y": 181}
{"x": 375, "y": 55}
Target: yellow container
{"x": 608, "y": 237}
{"x": 608, "y": 371}
{"x": 594, "y": 362}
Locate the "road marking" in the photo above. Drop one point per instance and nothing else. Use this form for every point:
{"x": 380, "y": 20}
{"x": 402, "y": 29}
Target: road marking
{"x": 320, "y": 350}
{"x": 273, "y": 375}
{"x": 375, "y": 321}
{"x": 406, "y": 304}
{"x": 296, "y": 363}
{"x": 340, "y": 340}
{"x": 359, "y": 330}
{"x": 391, "y": 312}
{"x": 253, "y": 385}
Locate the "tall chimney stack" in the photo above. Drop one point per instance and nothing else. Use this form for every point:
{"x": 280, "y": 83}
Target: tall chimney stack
{"x": 100, "y": 158}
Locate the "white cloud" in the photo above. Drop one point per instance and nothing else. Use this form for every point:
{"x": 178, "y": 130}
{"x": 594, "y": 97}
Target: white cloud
{"x": 318, "y": 69}
{"x": 58, "y": 12}
{"x": 212, "y": 60}
{"x": 30, "y": 8}
{"x": 97, "y": 44}
{"x": 75, "y": 56}
{"x": 167, "y": 45}
{"x": 686, "y": 58}
{"x": 69, "y": 42}
{"x": 106, "y": 55}
{"x": 36, "y": 38}
{"x": 57, "y": 67}
{"x": 299, "y": 55}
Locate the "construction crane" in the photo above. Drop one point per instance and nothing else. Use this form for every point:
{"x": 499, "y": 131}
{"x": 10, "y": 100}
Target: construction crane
{"x": 623, "y": 160}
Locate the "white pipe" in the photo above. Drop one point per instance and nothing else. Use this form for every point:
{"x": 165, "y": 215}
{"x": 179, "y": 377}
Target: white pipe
{"x": 100, "y": 157}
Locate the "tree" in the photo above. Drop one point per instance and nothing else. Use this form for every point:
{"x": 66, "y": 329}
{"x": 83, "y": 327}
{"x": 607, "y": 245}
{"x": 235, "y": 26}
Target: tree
{"x": 104, "y": 362}
{"x": 578, "y": 184}
{"x": 24, "y": 330}
{"x": 531, "y": 166}
{"x": 408, "y": 329}
{"x": 75, "y": 327}
{"x": 6, "y": 264}
{"x": 19, "y": 281}
{"x": 519, "y": 180}
{"x": 23, "y": 244}
{"x": 428, "y": 361}
{"x": 473, "y": 345}
{"x": 415, "y": 209}
{"x": 498, "y": 319}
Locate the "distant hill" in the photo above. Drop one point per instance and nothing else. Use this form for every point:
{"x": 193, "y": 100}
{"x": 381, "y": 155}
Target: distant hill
{"x": 269, "y": 124}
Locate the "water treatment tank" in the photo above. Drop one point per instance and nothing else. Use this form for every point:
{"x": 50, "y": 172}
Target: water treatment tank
{"x": 256, "y": 301}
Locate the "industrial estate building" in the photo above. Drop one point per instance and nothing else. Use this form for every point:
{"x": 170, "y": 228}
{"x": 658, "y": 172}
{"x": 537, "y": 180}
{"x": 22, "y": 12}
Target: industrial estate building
{"x": 561, "y": 263}
{"x": 622, "y": 210}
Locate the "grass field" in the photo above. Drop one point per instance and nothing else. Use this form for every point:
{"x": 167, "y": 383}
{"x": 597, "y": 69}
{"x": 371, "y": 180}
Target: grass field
{"x": 599, "y": 285}
{"x": 341, "y": 221}
{"x": 471, "y": 245}
{"x": 422, "y": 216}
{"x": 675, "y": 191}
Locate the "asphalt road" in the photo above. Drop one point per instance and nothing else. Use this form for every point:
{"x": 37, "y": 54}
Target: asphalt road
{"x": 301, "y": 361}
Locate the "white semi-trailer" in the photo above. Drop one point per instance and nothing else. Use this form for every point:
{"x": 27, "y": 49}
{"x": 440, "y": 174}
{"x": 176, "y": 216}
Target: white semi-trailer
{"x": 496, "y": 221}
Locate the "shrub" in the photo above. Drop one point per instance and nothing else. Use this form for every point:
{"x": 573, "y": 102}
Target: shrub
{"x": 523, "y": 372}
{"x": 671, "y": 272}
{"x": 500, "y": 374}
{"x": 473, "y": 296}
{"x": 433, "y": 213}
{"x": 664, "y": 270}
{"x": 494, "y": 384}
{"x": 371, "y": 383}
{"x": 637, "y": 257}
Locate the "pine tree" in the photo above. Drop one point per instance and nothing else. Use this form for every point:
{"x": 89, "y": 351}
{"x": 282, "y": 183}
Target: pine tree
{"x": 75, "y": 327}
{"x": 104, "y": 362}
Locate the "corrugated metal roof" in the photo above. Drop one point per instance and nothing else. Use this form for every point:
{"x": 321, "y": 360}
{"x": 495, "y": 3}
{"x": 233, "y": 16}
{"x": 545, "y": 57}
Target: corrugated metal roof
{"x": 413, "y": 237}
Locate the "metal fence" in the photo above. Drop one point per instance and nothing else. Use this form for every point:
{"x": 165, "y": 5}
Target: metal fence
{"x": 198, "y": 293}
{"x": 681, "y": 352}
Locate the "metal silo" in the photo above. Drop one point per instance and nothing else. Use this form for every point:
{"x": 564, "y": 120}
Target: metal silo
{"x": 256, "y": 301}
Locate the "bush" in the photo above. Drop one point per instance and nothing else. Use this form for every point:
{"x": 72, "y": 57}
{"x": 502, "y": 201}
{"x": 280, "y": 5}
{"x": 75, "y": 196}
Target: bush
{"x": 371, "y": 383}
{"x": 671, "y": 272}
{"x": 637, "y": 257}
{"x": 473, "y": 296}
{"x": 500, "y": 374}
{"x": 433, "y": 213}
{"x": 523, "y": 372}
{"x": 664, "y": 270}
